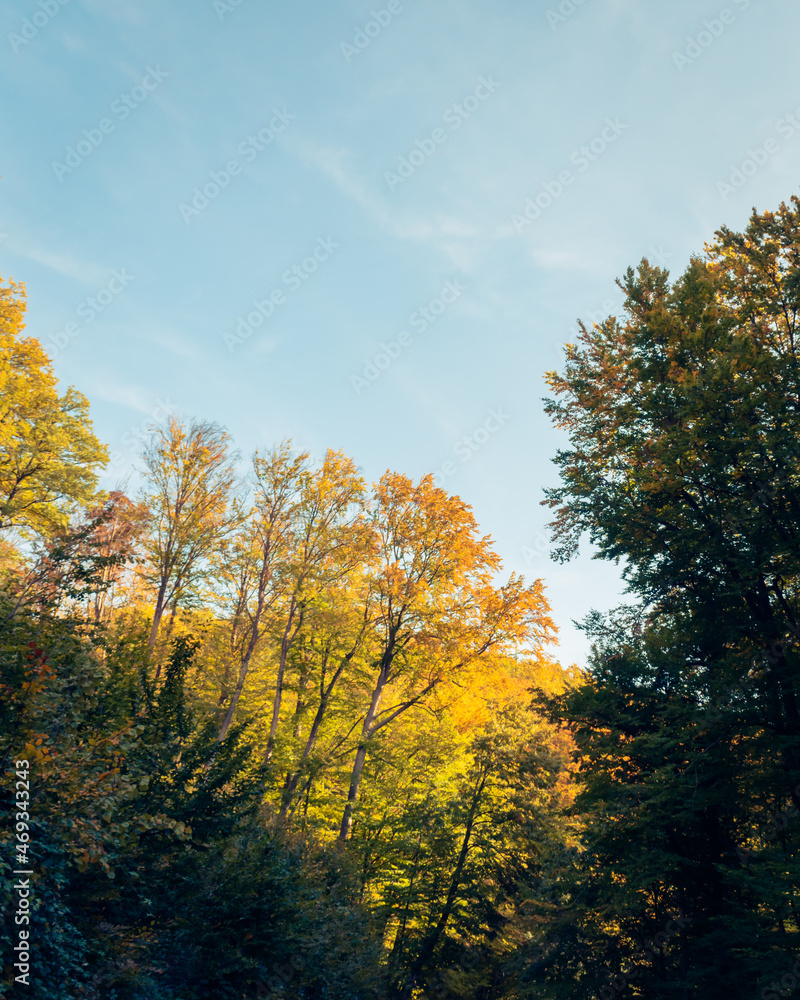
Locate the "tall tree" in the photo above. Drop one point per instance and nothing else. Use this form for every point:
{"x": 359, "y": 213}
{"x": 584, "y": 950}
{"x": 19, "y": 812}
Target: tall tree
{"x": 255, "y": 561}
{"x": 49, "y": 455}
{"x": 435, "y": 609}
{"x": 336, "y": 630}
{"x": 683, "y": 421}
{"x": 330, "y": 539}
{"x": 189, "y": 486}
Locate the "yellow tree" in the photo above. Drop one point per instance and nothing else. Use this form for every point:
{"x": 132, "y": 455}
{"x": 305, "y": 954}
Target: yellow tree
{"x": 254, "y": 564}
{"x": 189, "y": 491}
{"x": 435, "y": 607}
{"x": 330, "y": 540}
{"x": 49, "y": 455}
{"x": 305, "y": 531}
{"x": 335, "y": 633}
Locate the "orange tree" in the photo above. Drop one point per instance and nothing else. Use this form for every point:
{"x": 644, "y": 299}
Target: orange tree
{"x": 433, "y": 606}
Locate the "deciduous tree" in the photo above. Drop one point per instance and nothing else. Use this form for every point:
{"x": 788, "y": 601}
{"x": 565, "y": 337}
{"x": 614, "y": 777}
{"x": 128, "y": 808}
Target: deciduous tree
{"x": 189, "y": 486}
{"x": 49, "y": 455}
{"x": 435, "y": 608}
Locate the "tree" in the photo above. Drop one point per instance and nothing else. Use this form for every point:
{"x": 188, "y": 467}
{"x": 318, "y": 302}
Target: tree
{"x": 181, "y": 837}
{"x": 118, "y": 526}
{"x": 329, "y": 541}
{"x": 335, "y": 632}
{"x": 49, "y": 455}
{"x": 254, "y": 563}
{"x": 435, "y": 609}
{"x": 683, "y": 423}
{"x": 190, "y": 481}
{"x": 684, "y": 426}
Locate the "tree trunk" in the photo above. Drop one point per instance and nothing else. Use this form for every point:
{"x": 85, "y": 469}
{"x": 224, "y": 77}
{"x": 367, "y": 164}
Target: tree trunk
{"x": 361, "y": 754}
{"x": 286, "y": 644}
{"x": 158, "y": 613}
{"x": 433, "y": 938}
{"x": 292, "y": 779}
{"x": 237, "y": 691}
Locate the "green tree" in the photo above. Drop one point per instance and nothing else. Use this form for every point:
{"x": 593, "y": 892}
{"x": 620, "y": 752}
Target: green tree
{"x": 683, "y": 462}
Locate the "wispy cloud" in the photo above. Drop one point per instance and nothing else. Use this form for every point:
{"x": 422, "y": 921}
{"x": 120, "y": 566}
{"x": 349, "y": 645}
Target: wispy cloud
{"x": 62, "y": 263}
{"x": 457, "y": 237}
{"x": 133, "y": 396}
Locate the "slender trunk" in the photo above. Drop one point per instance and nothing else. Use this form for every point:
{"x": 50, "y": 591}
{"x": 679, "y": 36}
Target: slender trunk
{"x": 171, "y": 621}
{"x": 101, "y": 597}
{"x": 305, "y": 809}
{"x": 244, "y": 666}
{"x": 286, "y": 644}
{"x": 432, "y": 939}
{"x": 224, "y": 688}
{"x": 325, "y": 696}
{"x": 237, "y": 691}
{"x": 158, "y": 613}
{"x": 361, "y": 753}
{"x": 225, "y": 681}
{"x": 300, "y": 707}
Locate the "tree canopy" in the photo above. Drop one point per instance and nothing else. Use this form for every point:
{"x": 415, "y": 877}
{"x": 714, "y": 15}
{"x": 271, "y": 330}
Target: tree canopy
{"x": 275, "y": 731}
{"x": 49, "y": 455}
{"x": 683, "y": 463}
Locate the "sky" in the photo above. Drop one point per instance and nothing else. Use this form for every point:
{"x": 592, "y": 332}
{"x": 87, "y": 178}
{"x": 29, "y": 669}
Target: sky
{"x": 373, "y": 226}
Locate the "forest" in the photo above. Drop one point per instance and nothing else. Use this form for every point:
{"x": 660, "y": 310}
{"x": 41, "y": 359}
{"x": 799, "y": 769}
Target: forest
{"x": 268, "y": 730}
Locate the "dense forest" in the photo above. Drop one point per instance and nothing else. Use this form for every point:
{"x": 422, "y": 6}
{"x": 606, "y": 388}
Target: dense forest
{"x": 270, "y": 731}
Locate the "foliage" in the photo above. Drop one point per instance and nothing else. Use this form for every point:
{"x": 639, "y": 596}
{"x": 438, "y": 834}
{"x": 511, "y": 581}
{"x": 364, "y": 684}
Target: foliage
{"x": 290, "y": 735}
{"x": 49, "y": 455}
{"x": 317, "y": 778}
{"x": 683, "y": 425}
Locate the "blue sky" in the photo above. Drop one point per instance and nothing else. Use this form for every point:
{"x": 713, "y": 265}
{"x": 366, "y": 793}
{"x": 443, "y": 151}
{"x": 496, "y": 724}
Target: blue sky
{"x": 346, "y": 185}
